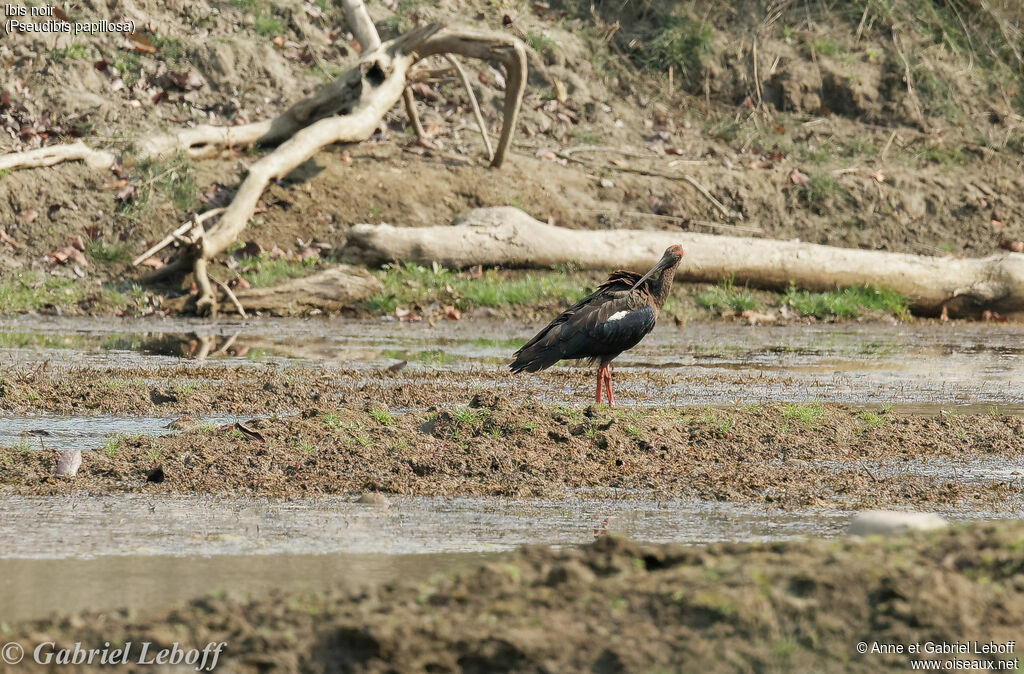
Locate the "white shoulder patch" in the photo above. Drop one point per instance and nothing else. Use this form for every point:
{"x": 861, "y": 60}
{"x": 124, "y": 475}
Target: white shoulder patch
{"x": 618, "y": 316}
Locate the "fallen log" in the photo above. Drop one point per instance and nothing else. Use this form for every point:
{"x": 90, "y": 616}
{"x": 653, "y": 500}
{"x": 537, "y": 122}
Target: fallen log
{"x": 324, "y": 292}
{"x": 508, "y": 237}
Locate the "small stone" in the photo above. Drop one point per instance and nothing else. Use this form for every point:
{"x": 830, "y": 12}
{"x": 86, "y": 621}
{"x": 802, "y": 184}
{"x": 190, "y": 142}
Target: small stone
{"x": 605, "y": 182}
{"x": 373, "y": 498}
{"x": 893, "y": 522}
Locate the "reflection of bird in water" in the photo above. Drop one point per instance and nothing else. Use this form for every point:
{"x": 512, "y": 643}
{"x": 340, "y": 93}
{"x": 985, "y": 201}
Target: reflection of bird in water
{"x": 604, "y": 324}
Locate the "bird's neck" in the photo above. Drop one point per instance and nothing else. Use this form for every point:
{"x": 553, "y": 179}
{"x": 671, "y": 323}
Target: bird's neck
{"x": 659, "y": 286}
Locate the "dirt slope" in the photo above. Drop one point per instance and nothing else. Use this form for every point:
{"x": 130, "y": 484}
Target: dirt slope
{"x": 934, "y": 167}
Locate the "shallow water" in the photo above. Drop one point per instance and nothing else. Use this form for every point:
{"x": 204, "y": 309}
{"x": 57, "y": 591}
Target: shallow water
{"x": 92, "y": 526}
{"x": 67, "y": 553}
{"x": 68, "y": 433}
{"x": 953, "y": 364}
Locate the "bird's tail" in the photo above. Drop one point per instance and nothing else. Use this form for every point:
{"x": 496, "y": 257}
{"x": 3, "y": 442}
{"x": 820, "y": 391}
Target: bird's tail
{"x": 538, "y": 355}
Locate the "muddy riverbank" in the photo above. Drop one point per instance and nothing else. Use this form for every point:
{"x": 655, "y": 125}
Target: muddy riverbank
{"x": 780, "y": 454}
{"x": 836, "y": 416}
{"x": 617, "y": 606}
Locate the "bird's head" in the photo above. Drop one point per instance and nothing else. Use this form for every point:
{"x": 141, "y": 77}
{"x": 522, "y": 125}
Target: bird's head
{"x": 673, "y": 254}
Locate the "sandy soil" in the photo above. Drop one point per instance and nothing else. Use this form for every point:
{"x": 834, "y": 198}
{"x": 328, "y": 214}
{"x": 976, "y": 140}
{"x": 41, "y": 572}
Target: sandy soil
{"x": 888, "y": 179}
{"x": 615, "y": 606}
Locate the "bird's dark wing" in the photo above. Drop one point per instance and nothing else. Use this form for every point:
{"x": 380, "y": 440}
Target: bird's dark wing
{"x": 603, "y": 324}
{"x": 620, "y": 280}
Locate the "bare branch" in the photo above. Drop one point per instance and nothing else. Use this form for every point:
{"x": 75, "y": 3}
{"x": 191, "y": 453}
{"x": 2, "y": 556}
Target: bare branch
{"x": 476, "y": 106}
{"x": 55, "y": 154}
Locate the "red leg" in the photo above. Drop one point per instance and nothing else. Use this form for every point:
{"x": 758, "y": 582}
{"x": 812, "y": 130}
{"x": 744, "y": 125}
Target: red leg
{"x": 600, "y": 377}
{"x": 608, "y": 385}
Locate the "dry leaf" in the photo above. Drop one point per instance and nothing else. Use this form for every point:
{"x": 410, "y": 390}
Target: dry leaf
{"x": 983, "y": 188}
{"x": 28, "y": 216}
{"x": 451, "y": 313}
{"x": 878, "y": 177}
{"x": 425, "y": 91}
{"x": 141, "y": 43}
{"x": 153, "y": 262}
{"x": 6, "y": 239}
{"x": 797, "y": 177}
{"x": 561, "y": 93}
{"x": 1013, "y": 246}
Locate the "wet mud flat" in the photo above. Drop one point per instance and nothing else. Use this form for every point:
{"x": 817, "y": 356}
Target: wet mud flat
{"x": 841, "y": 416}
{"x": 617, "y": 606}
{"x": 239, "y": 452}
{"x": 76, "y": 366}
{"x": 784, "y": 455}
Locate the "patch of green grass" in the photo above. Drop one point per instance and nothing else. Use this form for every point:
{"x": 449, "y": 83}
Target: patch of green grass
{"x": 333, "y": 420}
{"x": 465, "y": 415}
{"x": 267, "y": 24}
{"x": 129, "y": 66}
{"x": 414, "y": 285}
{"x": 382, "y": 416}
{"x": 73, "y": 52}
{"x": 110, "y": 446}
{"x": 33, "y": 290}
{"x": 632, "y": 431}
{"x": 266, "y": 271}
{"x": 539, "y": 42}
{"x": 682, "y": 43}
{"x": 822, "y": 188}
{"x": 808, "y": 414}
{"x": 174, "y": 178}
{"x": 585, "y": 136}
{"x": 124, "y": 294}
{"x": 871, "y": 419}
{"x": 434, "y": 356}
{"x": 500, "y": 343}
{"x": 847, "y": 302}
{"x": 823, "y": 45}
{"x": 185, "y": 388}
{"x": 327, "y": 73}
{"x": 725, "y": 296}
{"x": 946, "y": 156}
{"x": 171, "y": 49}
{"x": 112, "y": 253}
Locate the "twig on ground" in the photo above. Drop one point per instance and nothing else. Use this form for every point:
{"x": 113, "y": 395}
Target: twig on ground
{"x": 234, "y": 300}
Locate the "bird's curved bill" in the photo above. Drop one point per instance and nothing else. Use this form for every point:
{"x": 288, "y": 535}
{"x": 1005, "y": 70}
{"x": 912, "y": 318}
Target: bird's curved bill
{"x": 664, "y": 262}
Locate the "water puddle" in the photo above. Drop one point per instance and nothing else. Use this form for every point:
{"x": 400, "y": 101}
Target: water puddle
{"x": 53, "y": 527}
{"x": 68, "y": 433}
{"x": 61, "y": 554}
{"x": 956, "y": 364}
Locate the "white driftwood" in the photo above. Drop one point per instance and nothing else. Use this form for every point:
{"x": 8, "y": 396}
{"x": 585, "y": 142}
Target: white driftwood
{"x": 55, "y": 154}
{"x": 361, "y": 24}
{"x": 510, "y": 238}
{"x": 327, "y": 291}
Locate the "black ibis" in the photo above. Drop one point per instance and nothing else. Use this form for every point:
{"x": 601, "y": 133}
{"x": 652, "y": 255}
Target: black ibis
{"x": 602, "y": 325}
